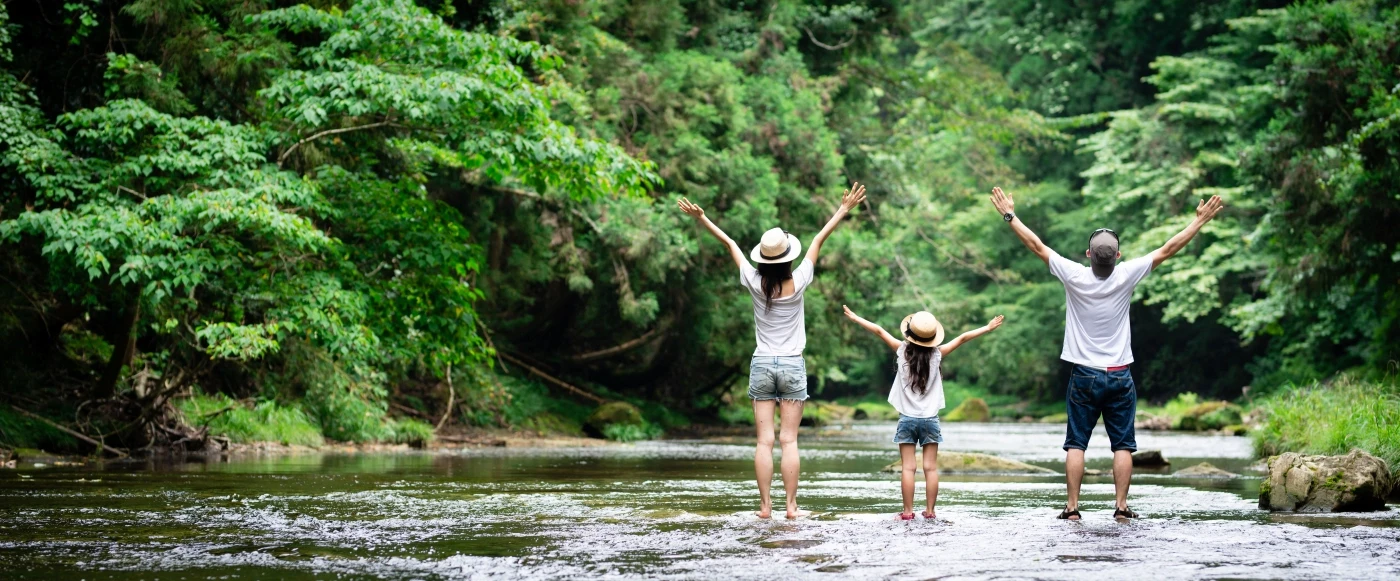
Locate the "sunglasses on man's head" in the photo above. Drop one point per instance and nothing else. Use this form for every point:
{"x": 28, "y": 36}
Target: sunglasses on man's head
{"x": 1096, "y": 233}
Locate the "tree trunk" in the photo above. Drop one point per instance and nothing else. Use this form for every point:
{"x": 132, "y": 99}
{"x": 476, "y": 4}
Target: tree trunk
{"x": 123, "y": 348}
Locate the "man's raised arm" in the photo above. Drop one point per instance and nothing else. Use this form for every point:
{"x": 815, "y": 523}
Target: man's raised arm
{"x": 1205, "y": 210}
{"x": 1006, "y": 206}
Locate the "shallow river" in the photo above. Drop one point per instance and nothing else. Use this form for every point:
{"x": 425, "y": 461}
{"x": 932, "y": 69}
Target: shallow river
{"x": 674, "y": 509}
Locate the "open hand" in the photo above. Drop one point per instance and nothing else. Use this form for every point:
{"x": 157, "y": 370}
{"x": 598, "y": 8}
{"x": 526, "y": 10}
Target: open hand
{"x": 1002, "y": 201}
{"x": 996, "y": 322}
{"x": 852, "y": 197}
{"x": 690, "y": 208}
{"x": 850, "y": 315}
{"x": 1207, "y": 209}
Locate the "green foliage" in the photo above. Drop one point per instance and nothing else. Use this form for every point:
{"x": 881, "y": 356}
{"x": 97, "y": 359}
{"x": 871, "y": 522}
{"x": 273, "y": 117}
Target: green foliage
{"x": 1332, "y": 418}
{"x": 335, "y": 203}
{"x": 264, "y": 421}
{"x": 17, "y": 431}
{"x": 631, "y": 432}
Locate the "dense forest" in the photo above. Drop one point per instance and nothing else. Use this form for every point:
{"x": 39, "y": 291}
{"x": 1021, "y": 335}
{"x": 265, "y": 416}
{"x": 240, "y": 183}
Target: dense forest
{"x": 382, "y": 213}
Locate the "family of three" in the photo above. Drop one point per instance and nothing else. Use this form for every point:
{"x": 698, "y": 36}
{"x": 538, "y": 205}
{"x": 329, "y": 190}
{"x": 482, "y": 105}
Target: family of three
{"x": 1097, "y": 342}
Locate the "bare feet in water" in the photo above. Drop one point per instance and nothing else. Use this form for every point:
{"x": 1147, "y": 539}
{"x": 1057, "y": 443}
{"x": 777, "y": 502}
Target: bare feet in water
{"x": 765, "y": 508}
{"x": 793, "y": 513}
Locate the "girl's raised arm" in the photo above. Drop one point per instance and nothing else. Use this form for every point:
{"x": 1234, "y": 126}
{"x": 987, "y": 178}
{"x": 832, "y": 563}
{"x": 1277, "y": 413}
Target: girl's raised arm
{"x": 698, "y": 213}
{"x": 948, "y": 347}
{"x": 850, "y": 199}
{"x": 877, "y": 330}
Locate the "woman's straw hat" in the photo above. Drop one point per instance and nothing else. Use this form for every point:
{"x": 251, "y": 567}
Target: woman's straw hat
{"x": 922, "y": 328}
{"x": 776, "y": 246}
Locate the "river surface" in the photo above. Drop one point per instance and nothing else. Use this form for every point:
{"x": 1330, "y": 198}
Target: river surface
{"x": 672, "y": 509}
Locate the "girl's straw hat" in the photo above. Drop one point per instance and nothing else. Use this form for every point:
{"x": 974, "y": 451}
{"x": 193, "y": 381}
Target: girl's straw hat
{"x": 776, "y": 246}
{"x": 922, "y": 328}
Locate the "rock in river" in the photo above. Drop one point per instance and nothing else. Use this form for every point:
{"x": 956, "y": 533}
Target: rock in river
{"x": 971, "y": 463}
{"x": 1357, "y": 481}
{"x": 1204, "y": 470}
{"x": 1150, "y": 459}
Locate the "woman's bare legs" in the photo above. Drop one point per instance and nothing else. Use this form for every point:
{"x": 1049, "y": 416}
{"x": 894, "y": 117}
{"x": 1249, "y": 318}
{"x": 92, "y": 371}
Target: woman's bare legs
{"x": 930, "y": 478}
{"x": 906, "y": 477}
{"x": 763, "y": 455}
{"x": 791, "y": 418}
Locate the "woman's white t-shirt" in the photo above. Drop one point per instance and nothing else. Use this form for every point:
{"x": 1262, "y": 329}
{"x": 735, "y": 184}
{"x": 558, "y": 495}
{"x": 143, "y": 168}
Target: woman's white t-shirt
{"x": 781, "y": 330}
{"x": 902, "y": 396}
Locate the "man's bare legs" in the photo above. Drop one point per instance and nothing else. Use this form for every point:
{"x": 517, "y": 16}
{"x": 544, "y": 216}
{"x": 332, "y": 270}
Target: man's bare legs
{"x": 930, "y": 479}
{"x": 790, "y": 417}
{"x": 1122, "y": 475}
{"x": 906, "y": 477}
{"x": 763, "y": 455}
{"x": 1074, "y": 475}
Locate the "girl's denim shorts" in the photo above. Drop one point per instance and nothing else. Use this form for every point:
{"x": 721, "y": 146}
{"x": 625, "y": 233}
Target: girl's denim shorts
{"x": 783, "y": 378}
{"x": 918, "y": 431}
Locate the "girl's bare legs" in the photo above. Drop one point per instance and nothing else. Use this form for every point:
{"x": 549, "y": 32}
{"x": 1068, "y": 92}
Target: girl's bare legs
{"x": 906, "y": 479}
{"x": 791, "y": 418}
{"x": 930, "y": 478}
{"x": 763, "y": 455}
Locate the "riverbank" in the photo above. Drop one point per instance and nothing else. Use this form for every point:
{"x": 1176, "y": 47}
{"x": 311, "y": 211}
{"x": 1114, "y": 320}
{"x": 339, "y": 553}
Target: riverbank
{"x": 1332, "y": 417}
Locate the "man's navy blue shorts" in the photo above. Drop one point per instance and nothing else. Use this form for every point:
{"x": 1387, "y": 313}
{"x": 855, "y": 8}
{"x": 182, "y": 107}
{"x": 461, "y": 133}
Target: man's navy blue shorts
{"x": 1093, "y": 392}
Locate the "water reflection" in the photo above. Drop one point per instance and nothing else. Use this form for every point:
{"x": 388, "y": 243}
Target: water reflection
{"x": 667, "y": 510}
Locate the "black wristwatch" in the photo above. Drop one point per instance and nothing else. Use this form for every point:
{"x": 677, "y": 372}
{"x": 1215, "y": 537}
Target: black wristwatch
{"x": 1009, "y": 216}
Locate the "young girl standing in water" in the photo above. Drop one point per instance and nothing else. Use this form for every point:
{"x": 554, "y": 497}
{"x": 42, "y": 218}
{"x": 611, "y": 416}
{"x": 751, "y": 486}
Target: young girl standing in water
{"x": 777, "y": 372}
{"x": 917, "y": 394}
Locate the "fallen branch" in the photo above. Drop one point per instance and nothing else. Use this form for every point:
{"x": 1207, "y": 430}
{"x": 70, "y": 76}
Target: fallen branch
{"x": 100, "y": 446}
{"x": 409, "y": 410}
{"x": 624, "y": 346}
{"x": 551, "y": 378}
{"x": 451, "y": 399}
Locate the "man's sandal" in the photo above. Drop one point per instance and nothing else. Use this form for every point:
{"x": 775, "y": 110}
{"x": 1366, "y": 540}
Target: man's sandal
{"x": 1066, "y": 513}
{"x": 1124, "y": 513}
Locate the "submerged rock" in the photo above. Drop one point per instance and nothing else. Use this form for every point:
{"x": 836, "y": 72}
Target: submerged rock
{"x": 972, "y": 463}
{"x": 1204, "y": 470}
{"x": 972, "y": 409}
{"x": 1357, "y": 481}
{"x": 1150, "y": 459}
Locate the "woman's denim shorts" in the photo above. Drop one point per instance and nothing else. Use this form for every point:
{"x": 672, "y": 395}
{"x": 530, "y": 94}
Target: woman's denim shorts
{"x": 783, "y": 378}
{"x": 918, "y": 431}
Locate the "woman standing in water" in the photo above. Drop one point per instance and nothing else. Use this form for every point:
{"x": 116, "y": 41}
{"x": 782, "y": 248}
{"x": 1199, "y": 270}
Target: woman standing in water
{"x": 777, "y": 373}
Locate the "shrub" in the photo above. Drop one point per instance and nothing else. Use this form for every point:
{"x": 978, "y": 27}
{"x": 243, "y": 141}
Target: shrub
{"x": 1333, "y": 418}
{"x": 266, "y": 421}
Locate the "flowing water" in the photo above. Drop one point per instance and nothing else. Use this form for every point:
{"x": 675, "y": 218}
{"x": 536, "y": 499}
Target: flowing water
{"x": 673, "y": 509}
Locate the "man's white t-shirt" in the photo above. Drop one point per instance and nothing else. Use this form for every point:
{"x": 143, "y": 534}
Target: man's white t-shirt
{"x": 902, "y": 396}
{"x": 780, "y": 331}
{"x": 1097, "y": 333}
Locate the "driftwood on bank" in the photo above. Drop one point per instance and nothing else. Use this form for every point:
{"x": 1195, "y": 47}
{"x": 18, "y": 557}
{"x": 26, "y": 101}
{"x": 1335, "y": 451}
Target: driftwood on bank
{"x": 550, "y": 378}
{"x": 100, "y": 446}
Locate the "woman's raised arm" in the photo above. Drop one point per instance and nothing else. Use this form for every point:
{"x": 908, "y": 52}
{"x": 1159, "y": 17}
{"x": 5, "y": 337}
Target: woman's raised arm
{"x": 849, "y": 199}
{"x": 698, "y": 213}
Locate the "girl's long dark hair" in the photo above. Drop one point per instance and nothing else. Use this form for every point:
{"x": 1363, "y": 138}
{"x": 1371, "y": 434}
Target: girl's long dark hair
{"x": 919, "y": 359}
{"x": 774, "y": 275}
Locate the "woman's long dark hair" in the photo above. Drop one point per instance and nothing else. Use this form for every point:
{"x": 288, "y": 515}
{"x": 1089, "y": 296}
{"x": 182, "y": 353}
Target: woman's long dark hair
{"x": 774, "y": 275}
{"x": 920, "y": 362}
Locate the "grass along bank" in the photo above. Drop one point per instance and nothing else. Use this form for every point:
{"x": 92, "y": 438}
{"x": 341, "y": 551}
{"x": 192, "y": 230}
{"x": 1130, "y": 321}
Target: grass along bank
{"x": 1332, "y": 418}
{"x": 242, "y": 421}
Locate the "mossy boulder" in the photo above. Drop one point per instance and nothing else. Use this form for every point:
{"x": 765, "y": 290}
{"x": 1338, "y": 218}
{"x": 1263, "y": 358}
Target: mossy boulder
{"x": 1357, "y": 481}
{"x": 1055, "y": 419}
{"x": 1203, "y": 470}
{"x": 972, "y": 409}
{"x": 613, "y": 413}
{"x": 1210, "y": 415}
{"x": 972, "y": 463}
{"x": 825, "y": 413}
{"x": 867, "y": 410}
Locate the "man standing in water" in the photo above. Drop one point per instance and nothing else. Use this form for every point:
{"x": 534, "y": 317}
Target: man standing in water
{"x": 1098, "y": 341}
